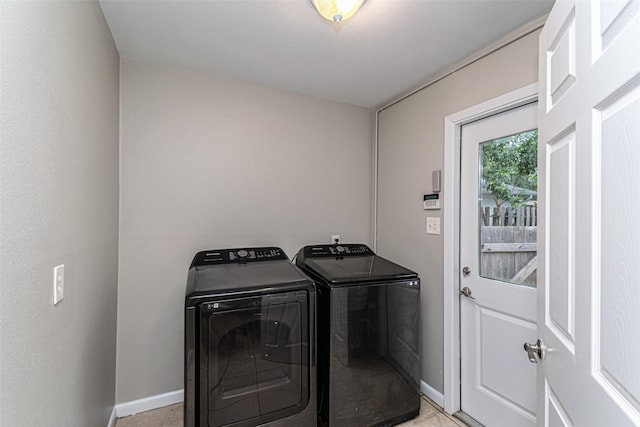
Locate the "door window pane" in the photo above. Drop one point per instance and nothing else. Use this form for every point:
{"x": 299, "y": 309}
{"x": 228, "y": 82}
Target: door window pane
{"x": 508, "y": 200}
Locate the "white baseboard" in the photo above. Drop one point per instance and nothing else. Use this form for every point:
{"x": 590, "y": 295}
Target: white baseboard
{"x": 432, "y": 393}
{"x": 145, "y": 404}
{"x": 112, "y": 418}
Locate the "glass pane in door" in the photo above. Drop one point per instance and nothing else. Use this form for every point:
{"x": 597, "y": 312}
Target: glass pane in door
{"x": 508, "y": 200}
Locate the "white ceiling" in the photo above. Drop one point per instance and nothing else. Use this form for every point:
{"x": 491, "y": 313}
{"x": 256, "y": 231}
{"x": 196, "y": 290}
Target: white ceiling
{"x": 388, "y": 48}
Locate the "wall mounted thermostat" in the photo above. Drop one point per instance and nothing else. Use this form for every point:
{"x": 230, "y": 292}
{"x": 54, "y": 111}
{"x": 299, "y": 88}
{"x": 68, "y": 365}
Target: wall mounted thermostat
{"x": 431, "y": 201}
{"x": 436, "y": 178}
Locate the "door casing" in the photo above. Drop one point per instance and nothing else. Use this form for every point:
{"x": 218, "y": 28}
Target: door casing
{"x": 451, "y": 230}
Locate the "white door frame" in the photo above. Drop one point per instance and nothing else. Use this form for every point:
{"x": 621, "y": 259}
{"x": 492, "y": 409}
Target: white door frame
{"x": 451, "y": 189}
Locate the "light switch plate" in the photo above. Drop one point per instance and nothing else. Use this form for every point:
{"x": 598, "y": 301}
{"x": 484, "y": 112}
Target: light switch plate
{"x": 58, "y": 284}
{"x": 433, "y": 225}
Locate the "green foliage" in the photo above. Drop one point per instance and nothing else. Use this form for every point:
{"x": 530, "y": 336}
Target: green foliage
{"x": 511, "y": 163}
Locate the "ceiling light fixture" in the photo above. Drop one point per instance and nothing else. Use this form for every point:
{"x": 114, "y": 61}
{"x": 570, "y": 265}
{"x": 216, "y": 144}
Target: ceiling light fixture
{"x": 337, "y": 10}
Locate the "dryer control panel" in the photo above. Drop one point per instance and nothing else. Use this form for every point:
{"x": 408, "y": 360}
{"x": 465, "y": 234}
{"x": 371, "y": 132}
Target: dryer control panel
{"x": 340, "y": 250}
{"x": 238, "y": 256}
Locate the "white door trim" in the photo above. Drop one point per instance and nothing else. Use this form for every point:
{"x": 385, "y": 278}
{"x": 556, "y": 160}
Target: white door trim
{"x": 451, "y": 205}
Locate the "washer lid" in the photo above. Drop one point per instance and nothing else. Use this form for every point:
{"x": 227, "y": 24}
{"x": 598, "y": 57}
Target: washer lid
{"x": 352, "y": 267}
{"x": 232, "y": 270}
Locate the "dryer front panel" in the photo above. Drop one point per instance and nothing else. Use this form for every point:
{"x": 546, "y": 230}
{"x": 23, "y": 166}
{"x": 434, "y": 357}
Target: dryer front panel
{"x": 253, "y": 358}
{"x": 372, "y": 370}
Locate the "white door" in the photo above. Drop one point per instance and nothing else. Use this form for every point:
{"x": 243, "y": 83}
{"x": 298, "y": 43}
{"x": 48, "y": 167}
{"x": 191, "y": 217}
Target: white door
{"x": 589, "y": 240}
{"x": 498, "y": 260}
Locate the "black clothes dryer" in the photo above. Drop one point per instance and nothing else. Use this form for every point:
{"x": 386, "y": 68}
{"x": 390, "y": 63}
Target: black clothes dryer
{"x": 368, "y": 336}
{"x": 249, "y": 340}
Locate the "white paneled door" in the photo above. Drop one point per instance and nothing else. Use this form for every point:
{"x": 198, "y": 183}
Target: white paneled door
{"x": 589, "y": 234}
{"x": 498, "y": 267}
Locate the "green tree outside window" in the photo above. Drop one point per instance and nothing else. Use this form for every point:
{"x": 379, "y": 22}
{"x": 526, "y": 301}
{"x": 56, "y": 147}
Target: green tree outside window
{"x": 509, "y": 166}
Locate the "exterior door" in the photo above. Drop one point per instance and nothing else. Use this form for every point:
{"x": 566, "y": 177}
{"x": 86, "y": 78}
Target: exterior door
{"x": 589, "y": 240}
{"x": 498, "y": 260}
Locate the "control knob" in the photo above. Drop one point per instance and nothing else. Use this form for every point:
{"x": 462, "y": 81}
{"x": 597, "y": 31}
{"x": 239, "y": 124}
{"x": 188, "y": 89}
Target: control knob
{"x": 340, "y": 249}
{"x": 242, "y": 254}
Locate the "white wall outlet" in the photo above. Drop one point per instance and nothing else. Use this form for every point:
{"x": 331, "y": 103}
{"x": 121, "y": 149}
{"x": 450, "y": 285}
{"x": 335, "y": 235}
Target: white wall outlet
{"x": 433, "y": 225}
{"x": 58, "y": 284}
{"x": 335, "y": 238}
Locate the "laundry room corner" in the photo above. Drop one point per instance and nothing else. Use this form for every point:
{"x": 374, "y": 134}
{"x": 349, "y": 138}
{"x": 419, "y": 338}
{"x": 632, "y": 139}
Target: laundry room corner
{"x": 206, "y": 163}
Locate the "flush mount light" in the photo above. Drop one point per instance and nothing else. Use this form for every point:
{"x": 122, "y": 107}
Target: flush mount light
{"x": 337, "y": 10}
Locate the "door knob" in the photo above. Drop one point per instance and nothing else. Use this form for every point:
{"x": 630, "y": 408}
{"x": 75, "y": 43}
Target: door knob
{"x": 535, "y": 351}
{"x": 466, "y": 292}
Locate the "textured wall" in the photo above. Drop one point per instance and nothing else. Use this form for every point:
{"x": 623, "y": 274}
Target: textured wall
{"x": 411, "y": 146}
{"x": 58, "y": 205}
{"x": 209, "y": 163}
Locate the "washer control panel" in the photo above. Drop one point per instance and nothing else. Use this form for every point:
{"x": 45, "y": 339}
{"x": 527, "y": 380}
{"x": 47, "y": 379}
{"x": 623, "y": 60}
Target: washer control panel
{"x": 238, "y": 256}
{"x": 339, "y": 250}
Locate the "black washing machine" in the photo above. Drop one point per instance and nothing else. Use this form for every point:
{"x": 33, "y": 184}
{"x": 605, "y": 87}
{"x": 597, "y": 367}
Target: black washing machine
{"x": 249, "y": 340}
{"x": 368, "y": 336}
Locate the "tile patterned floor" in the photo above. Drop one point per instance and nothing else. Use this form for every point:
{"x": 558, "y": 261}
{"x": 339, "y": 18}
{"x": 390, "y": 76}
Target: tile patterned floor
{"x": 171, "y": 416}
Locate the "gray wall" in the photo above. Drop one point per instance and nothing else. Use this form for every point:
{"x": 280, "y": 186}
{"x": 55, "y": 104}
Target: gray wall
{"x": 209, "y": 163}
{"x": 58, "y": 205}
{"x": 411, "y": 146}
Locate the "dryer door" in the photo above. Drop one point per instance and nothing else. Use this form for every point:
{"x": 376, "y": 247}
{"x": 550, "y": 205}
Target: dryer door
{"x": 254, "y": 357}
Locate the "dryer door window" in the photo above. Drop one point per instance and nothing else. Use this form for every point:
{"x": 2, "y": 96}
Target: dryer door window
{"x": 254, "y": 356}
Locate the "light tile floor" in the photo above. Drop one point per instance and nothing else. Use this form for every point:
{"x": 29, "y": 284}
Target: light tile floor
{"x": 171, "y": 416}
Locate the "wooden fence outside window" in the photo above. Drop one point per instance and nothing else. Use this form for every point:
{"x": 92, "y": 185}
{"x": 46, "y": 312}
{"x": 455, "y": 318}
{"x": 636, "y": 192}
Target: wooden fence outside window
{"x": 508, "y": 245}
